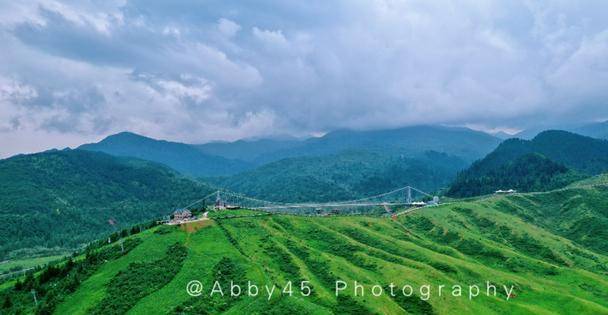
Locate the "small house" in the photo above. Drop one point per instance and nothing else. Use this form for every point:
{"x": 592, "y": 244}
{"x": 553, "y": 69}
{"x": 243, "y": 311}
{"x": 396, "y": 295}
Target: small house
{"x": 505, "y": 192}
{"x": 182, "y": 215}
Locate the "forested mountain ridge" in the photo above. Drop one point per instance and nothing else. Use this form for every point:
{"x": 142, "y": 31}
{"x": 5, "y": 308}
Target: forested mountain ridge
{"x": 65, "y": 198}
{"x": 346, "y": 175}
{"x": 529, "y": 172}
{"x": 464, "y": 143}
{"x": 181, "y": 157}
{"x": 228, "y": 158}
{"x": 552, "y": 159}
{"x": 251, "y": 151}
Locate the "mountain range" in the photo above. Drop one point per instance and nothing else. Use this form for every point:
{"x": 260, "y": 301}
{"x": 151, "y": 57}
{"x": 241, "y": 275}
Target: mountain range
{"x": 548, "y": 245}
{"x": 216, "y": 159}
{"x": 137, "y": 178}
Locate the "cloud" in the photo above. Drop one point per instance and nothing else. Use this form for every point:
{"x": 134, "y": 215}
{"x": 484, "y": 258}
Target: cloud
{"x": 194, "y": 71}
{"x": 270, "y": 37}
{"x": 228, "y": 27}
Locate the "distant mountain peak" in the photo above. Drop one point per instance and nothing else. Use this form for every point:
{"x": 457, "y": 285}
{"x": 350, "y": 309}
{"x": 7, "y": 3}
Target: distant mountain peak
{"x": 182, "y": 157}
{"x": 128, "y": 135}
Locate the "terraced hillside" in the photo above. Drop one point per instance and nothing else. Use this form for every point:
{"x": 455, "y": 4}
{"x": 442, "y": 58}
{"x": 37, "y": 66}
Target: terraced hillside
{"x": 533, "y": 243}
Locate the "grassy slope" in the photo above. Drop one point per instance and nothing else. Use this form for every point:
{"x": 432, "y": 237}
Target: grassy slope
{"x": 19, "y": 264}
{"x": 463, "y": 242}
{"x": 578, "y": 212}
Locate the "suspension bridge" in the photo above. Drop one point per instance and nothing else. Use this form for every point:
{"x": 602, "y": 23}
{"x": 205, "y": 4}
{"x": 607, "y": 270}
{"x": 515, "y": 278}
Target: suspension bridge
{"x": 407, "y": 196}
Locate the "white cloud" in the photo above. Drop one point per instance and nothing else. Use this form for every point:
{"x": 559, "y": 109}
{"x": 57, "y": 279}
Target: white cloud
{"x": 190, "y": 72}
{"x": 584, "y": 73}
{"x": 228, "y": 27}
{"x": 270, "y": 37}
{"x": 15, "y": 92}
{"x": 171, "y": 31}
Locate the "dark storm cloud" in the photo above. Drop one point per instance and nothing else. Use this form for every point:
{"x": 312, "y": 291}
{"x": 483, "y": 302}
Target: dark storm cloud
{"x": 201, "y": 70}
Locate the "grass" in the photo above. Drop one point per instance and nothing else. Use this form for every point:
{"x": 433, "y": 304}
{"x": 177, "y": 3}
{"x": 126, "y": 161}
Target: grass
{"x": 234, "y": 213}
{"x": 20, "y": 264}
{"x": 525, "y": 241}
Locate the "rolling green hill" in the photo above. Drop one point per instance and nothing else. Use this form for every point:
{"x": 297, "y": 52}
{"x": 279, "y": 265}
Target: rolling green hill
{"x": 552, "y": 159}
{"x": 343, "y": 176}
{"x": 179, "y": 156}
{"x": 65, "y": 198}
{"x": 531, "y": 243}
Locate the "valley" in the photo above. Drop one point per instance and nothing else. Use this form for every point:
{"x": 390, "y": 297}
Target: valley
{"x": 303, "y": 157}
{"x": 87, "y": 233}
{"x": 513, "y": 240}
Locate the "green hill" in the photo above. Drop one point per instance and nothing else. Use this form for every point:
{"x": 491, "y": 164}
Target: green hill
{"x": 181, "y": 157}
{"x": 65, "y": 198}
{"x": 464, "y": 143}
{"x": 529, "y": 172}
{"x": 532, "y": 243}
{"x": 347, "y": 175}
{"x": 552, "y": 159}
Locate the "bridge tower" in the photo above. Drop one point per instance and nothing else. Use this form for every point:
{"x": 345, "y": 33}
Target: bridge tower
{"x": 219, "y": 203}
{"x": 408, "y": 195}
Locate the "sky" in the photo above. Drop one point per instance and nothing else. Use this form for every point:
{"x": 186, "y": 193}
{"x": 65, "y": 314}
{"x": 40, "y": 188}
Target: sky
{"x": 73, "y": 72}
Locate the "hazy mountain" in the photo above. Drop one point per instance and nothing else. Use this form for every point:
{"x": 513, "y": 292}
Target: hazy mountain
{"x": 503, "y": 135}
{"x": 65, "y": 198}
{"x": 539, "y": 164}
{"x": 465, "y": 143}
{"x": 528, "y": 134}
{"x": 248, "y": 150}
{"x": 461, "y": 142}
{"x": 182, "y": 157}
{"x": 597, "y": 130}
{"x": 226, "y": 158}
{"x": 594, "y": 130}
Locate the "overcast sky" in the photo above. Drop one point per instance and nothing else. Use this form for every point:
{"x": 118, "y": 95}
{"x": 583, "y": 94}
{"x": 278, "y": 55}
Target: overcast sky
{"x": 194, "y": 71}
